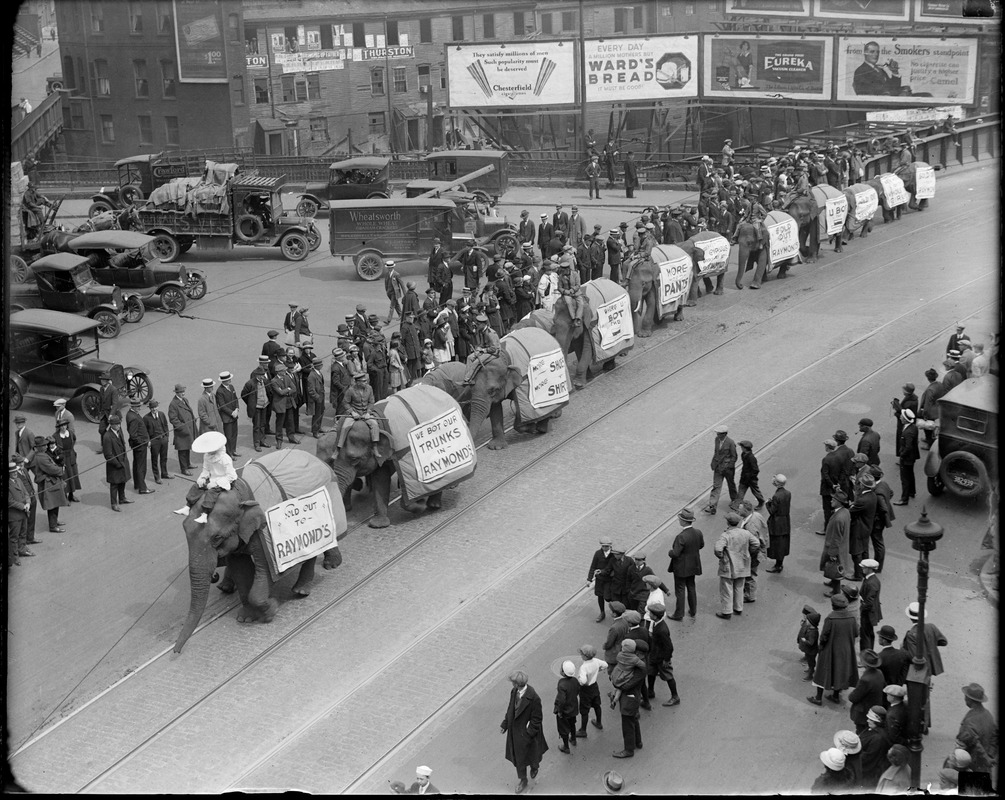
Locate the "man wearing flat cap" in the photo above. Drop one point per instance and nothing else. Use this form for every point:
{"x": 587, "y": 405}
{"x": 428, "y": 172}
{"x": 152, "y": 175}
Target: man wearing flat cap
{"x": 723, "y": 468}
{"x": 978, "y": 733}
{"x": 896, "y": 713}
{"x": 734, "y": 549}
{"x": 272, "y": 348}
{"x": 599, "y": 573}
{"x": 869, "y": 442}
{"x": 640, "y": 589}
{"x": 615, "y": 635}
{"x": 870, "y": 608}
{"x": 685, "y": 564}
{"x": 835, "y": 560}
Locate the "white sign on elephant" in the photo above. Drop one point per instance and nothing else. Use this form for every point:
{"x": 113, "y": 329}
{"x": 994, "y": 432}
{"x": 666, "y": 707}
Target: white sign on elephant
{"x": 675, "y": 280}
{"x": 866, "y": 203}
{"x": 716, "y": 255}
{"x": 924, "y": 183}
{"x": 549, "y": 379}
{"x": 303, "y": 527}
{"x": 614, "y": 321}
{"x": 835, "y": 211}
{"x": 893, "y": 188}
{"x": 441, "y": 446}
{"x": 784, "y": 240}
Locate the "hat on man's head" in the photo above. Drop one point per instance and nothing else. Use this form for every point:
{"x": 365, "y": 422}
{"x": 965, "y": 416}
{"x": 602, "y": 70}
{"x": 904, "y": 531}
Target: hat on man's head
{"x": 840, "y": 437}
{"x": 19, "y": 419}
{"x": 114, "y": 419}
{"x": 651, "y": 580}
{"x": 721, "y": 429}
{"x": 656, "y": 609}
{"x": 207, "y": 382}
{"x": 895, "y": 691}
{"x": 605, "y": 540}
{"x": 317, "y": 362}
{"x": 60, "y": 402}
{"x": 975, "y": 692}
{"x": 871, "y": 563}
{"x": 860, "y": 458}
{"x": 360, "y": 307}
{"x": 908, "y": 387}
{"x": 568, "y": 669}
{"x": 544, "y": 216}
{"x": 839, "y": 497}
{"x": 423, "y": 771}
{"x": 225, "y": 376}
{"x": 179, "y": 388}
{"x": 746, "y": 443}
{"x": 732, "y": 518}
{"x": 272, "y": 334}
{"x": 867, "y": 481}
{"x": 633, "y": 617}
{"x": 779, "y": 480}
{"x": 865, "y": 421}
{"x": 830, "y": 443}
{"x": 134, "y": 402}
{"x": 870, "y": 658}
{"x": 839, "y": 601}
{"x": 685, "y": 515}
{"x": 907, "y": 415}
{"x": 263, "y": 359}
{"x": 617, "y": 607}
{"x": 40, "y": 440}
{"x": 888, "y": 633}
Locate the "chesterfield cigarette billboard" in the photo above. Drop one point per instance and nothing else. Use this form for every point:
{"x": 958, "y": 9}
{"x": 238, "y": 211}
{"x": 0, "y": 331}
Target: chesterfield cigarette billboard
{"x": 778, "y": 67}
{"x": 909, "y": 70}
{"x": 494, "y": 74}
{"x": 656, "y": 68}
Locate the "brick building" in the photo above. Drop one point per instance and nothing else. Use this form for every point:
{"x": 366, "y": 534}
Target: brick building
{"x": 134, "y": 89}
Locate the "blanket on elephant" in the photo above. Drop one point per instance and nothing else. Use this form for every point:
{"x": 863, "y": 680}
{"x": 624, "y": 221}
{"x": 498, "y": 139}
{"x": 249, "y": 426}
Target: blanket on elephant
{"x": 544, "y": 389}
{"x": 611, "y": 330}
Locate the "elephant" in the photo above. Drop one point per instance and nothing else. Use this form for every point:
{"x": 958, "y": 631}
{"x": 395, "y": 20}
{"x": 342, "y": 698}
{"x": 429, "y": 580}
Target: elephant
{"x": 806, "y": 212}
{"x": 572, "y": 338}
{"x": 231, "y": 536}
{"x": 494, "y": 379}
{"x": 890, "y": 213}
{"x": 643, "y": 292}
{"x": 752, "y": 238}
{"x": 908, "y": 174}
{"x": 697, "y": 255}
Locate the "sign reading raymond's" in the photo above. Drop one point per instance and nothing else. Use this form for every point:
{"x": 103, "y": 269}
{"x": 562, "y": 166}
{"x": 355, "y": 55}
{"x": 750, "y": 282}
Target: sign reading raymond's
{"x": 303, "y": 527}
{"x": 653, "y": 68}
{"x": 491, "y": 74}
{"x": 441, "y": 446}
{"x": 776, "y": 67}
{"x": 910, "y": 70}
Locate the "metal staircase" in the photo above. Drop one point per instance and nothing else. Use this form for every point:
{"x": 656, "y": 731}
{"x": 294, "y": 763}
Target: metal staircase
{"x": 24, "y": 40}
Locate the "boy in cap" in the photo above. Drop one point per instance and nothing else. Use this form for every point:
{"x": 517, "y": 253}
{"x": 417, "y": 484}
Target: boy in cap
{"x": 808, "y": 638}
{"x": 589, "y": 689}
{"x": 749, "y": 471}
{"x": 217, "y": 476}
{"x": 566, "y": 706}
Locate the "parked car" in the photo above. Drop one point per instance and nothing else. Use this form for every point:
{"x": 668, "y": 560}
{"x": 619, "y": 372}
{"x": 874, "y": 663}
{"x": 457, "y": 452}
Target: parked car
{"x": 63, "y": 282}
{"x": 138, "y": 177}
{"x": 54, "y": 354}
{"x": 361, "y": 178}
{"x": 25, "y": 250}
{"x": 124, "y": 258}
{"x": 964, "y": 457}
{"x": 474, "y": 222}
{"x": 445, "y": 165}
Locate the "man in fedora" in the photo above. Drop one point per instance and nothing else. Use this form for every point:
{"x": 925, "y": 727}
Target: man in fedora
{"x": 685, "y": 564}
{"x": 182, "y": 420}
{"x": 869, "y": 690}
{"x": 284, "y": 404}
{"x": 599, "y": 573}
{"x": 139, "y": 443}
{"x": 978, "y": 733}
{"x": 157, "y": 427}
{"x": 113, "y": 447}
{"x": 894, "y": 662}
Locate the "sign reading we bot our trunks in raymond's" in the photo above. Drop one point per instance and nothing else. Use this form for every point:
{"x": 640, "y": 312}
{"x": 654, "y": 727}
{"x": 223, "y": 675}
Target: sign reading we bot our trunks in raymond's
{"x": 441, "y": 446}
{"x": 303, "y": 527}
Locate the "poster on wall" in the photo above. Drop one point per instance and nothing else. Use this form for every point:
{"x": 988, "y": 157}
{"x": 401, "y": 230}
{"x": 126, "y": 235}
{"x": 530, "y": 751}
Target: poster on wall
{"x": 652, "y": 68}
{"x": 769, "y": 8}
{"x": 491, "y": 74}
{"x": 909, "y": 70}
{"x": 862, "y": 11}
{"x": 742, "y": 66}
{"x": 951, "y": 11}
{"x": 199, "y": 42}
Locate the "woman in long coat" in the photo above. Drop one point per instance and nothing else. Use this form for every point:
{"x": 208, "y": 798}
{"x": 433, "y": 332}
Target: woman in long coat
{"x": 837, "y": 536}
{"x": 66, "y": 440}
{"x": 779, "y": 525}
{"x": 49, "y": 480}
{"x": 522, "y": 725}
{"x": 837, "y": 665}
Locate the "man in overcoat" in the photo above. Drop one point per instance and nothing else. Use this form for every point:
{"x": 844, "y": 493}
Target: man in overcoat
{"x": 779, "y": 524}
{"x": 522, "y": 727}
{"x": 870, "y": 608}
{"x": 894, "y": 662}
{"x": 599, "y": 574}
{"x": 734, "y": 549}
{"x": 978, "y": 733}
{"x": 723, "y": 468}
{"x": 868, "y": 692}
{"x": 228, "y": 406}
{"x": 685, "y": 564}
{"x": 909, "y": 453}
{"x": 631, "y": 175}
{"x": 209, "y": 414}
{"x": 139, "y": 444}
{"x": 869, "y": 443}
{"x": 863, "y": 518}
{"x": 836, "y": 541}
{"x": 284, "y": 403}
{"x": 837, "y": 667}
{"x": 157, "y": 427}
{"x": 316, "y": 396}
{"x": 113, "y": 447}
{"x": 831, "y": 476}
{"x": 51, "y": 490}
{"x": 618, "y": 585}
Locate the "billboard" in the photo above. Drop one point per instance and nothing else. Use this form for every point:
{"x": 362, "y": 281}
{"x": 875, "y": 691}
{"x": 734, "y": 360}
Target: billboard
{"x": 863, "y": 11}
{"x": 198, "y": 36}
{"x": 769, "y": 8}
{"x": 740, "y": 66}
{"x": 906, "y": 69}
{"x": 951, "y": 11}
{"x": 651, "y": 68}
{"x": 491, "y": 74}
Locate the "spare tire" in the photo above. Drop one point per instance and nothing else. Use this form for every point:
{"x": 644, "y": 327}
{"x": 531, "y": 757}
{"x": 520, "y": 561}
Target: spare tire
{"x": 964, "y": 474}
{"x": 248, "y": 228}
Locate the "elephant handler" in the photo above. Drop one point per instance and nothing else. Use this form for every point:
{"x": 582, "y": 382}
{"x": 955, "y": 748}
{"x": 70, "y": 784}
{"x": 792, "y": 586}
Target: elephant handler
{"x": 571, "y": 289}
{"x": 358, "y": 404}
{"x": 218, "y": 475}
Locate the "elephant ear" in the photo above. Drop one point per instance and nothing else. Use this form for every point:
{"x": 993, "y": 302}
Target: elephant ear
{"x": 513, "y": 379}
{"x": 252, "y": 520}
{"x": 384, "y": 447}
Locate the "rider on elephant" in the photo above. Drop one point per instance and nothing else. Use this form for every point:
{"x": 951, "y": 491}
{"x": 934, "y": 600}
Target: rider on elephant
{"x": 217, "y": 476}
{"x": 571, "y": 290}
{"x": 358, "y": 404}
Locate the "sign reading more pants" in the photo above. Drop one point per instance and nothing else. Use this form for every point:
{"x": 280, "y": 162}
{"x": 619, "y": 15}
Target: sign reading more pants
{"x": 441, "y": 446}
{"x": 548, "y": 377}
{"x": 675, "y": 280}
{"x": 303, "y": 527}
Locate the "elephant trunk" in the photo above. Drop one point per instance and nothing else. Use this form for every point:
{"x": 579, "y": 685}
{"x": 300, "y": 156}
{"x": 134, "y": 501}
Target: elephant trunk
{"x": 202, "y": 561}
{"x": 479, "y": 410}
{"x": 345, "y": 474}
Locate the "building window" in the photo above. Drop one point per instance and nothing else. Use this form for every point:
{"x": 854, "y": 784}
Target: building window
{"x": 519, "y": 24}
{"x": 377, "y": 81}
{"x": 358, "y": 34}
{"x": 83, "y": 76}
{"x": 458, "y": 25}
{"x": 568, "y": 20}
{"x": 689, "y": 8}
{"x": 425, "y": 30}
{"x": 489, "y": 26}
{"x": 102, "y": 86}
{"x": 68, "y": 76}
{"x": 164, "y": 20}
{"x": 97, "y": 17}
{"x": 443, "y": 77}
{"x": 233, "y": 26}
{"x": 135, "y": 17}
{"x": 313, "y": 85}
{"x": 169, "y": 79}
{"x": 546, "y": 24}
{"x": 146, "y": 129}
{"x": 289, "y": 88}
{"x": 377, "y": 122}
{"x": 637, "y": 21}
{"x": 261, "y": 91}
{"x": 619, "y": 20}
{"x": 423, "y": 72}
{"x": 251, "y": 42}
{"x": 171, "y": 130}
{"x": 107, "y": 129}
{"x": 239, "y": 90}
{"x": 299, "y": 88}
{"x": 400, "y": 80}
{"x": 140, "y": 78}
{"x": 319, "y": 129}
{"x": 392, "y": 33}
{"x": 77, "y": 116}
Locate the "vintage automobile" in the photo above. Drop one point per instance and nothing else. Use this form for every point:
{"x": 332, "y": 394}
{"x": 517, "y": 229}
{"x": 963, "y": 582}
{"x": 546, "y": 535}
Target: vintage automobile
{"x": 53, "y": 354}
{"x": 445, "y": 165}
{"x": 138, "y": 177}
{"x": 124, "y": 258}
{"x": 63, "y": 282}
{"x": 964, "y": 457}
{"x": 360, "y": 178}
{"x": 26, "y": 250}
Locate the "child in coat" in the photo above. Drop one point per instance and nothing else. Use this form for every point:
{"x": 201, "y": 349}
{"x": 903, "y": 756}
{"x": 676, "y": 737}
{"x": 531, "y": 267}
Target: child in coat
{"x": 398, "y": 375}
{"x": 808, "y": 638}
{"x": 624, "y": 670}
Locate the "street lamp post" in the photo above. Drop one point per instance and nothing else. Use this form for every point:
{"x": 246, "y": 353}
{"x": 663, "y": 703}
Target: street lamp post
{"x": 923, "y": 535}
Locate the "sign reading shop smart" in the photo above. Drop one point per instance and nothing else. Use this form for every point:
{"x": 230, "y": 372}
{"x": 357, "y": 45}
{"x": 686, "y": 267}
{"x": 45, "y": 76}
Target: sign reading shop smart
{"x": 492, "y": 75}
{"x": 653, "y": 68}
{"x": 774, "y": 67}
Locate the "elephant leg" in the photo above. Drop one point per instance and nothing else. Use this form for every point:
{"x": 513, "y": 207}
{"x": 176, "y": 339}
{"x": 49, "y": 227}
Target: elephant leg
{"x": 333, "y": 558}
{"x": 435, "y": 501}
{"x": 259, "y": 600}
{"x": 227, "y": 585}
{"x": 719, "y": 280}
{"x": 610, "y": 364}
{"x": 542, "y": 425}
{"x": 498, "y": 430}
{"x": 813, "y": 240}
{"x": 302, "y": 587}
{"x": 380, "y": 483}
{"x": 583, "y": 364}
{"x": 762, "y": 267}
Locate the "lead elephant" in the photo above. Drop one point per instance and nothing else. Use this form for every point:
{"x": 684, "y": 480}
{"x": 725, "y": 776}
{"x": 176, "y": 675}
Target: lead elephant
{"x": 752, "y": 238}
{"x": 908, "y": 173}
{"x": 805, "y": 211}
{"x": 643, "y": 292}
{"x": 558, "y": 322}
{"x": 232, "y": 536}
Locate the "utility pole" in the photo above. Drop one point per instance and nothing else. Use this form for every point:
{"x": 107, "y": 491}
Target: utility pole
{"x": 387, "y": 86}
{"x": 582, "y": 76}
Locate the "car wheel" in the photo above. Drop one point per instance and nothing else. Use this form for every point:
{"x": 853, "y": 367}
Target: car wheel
{"x": 14, "y": 396}
{"x": 294, "y": 247}
{"x": 483, "y": 197}
{"x": 195, "y": 288}
{"x": 131, "y": 195}
{"x": 165, "y": 247}
{"x": 307, "y": 208}
{"x": 369, "y": 265}
{"x": 173, "y": 299}
{"x": 505, "y": 243}
{"x": 99, "y": 207}
{"x": 134, "y": 309}
{"x": 108, "y": 324}
{"x": 184, "y": 247}
{"x": 313, "y": 237}
{"x": 377, "y": 196}
{"x": 140, "y": 387}
{"x": 18, "y": 270}
{"x": 90, "y": 405}
{"x": 964, "y": 474}
{"x": 935, "y": 486}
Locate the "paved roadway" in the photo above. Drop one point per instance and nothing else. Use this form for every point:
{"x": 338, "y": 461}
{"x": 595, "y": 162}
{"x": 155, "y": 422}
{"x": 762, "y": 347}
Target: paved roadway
{"x": 431, "y": 638}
